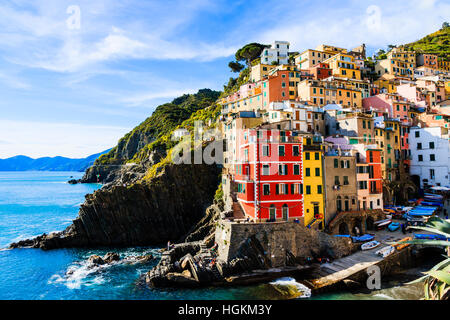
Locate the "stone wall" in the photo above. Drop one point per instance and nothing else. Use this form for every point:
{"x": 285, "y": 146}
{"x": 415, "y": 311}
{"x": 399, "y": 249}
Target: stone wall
{"x": 279, "y": 239}
{"x": 345, "y": 222}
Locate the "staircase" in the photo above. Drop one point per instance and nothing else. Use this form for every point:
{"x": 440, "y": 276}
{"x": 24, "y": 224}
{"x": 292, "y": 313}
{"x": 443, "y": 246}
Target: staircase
{"x": 238, "y": 213}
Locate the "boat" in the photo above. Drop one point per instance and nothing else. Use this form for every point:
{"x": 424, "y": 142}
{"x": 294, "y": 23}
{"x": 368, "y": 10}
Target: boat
{"x": 381, "y": 224}
{"x": 400, "y": 246}
{"x": 386, "y": 251}
{"x": 363, "y": 238}
{"x": 394, "y": 226}
{"x": 370, "y": 245}
{"x": 430, "y": 236}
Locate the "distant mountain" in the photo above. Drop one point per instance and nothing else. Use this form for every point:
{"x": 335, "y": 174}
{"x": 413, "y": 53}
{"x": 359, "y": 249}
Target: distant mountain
{"x": 23, "y": 163}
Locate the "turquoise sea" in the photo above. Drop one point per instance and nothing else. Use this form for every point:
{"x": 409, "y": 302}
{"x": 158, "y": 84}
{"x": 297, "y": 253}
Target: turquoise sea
{"x": 32, "y": 203}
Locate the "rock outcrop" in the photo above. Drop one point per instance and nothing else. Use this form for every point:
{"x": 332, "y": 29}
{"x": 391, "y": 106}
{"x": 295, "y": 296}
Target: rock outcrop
{"x": 145, "y": 213}
{"x": 193, "y": 264}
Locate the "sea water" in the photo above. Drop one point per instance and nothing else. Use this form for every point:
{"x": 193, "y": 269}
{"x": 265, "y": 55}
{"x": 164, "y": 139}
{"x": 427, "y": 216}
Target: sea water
{"x": 32, "y": 203}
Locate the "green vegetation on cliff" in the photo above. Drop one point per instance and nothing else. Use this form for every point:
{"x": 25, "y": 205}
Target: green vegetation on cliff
{"x": 437, "y": 43}
{"x": 165, "y": 141}
{"x": 163, "y": 121}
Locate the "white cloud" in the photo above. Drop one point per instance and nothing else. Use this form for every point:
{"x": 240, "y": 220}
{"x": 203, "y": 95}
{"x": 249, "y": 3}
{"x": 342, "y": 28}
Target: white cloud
{"x": 13, "y": 81}
{"x": 144, "y": 98}
{"x": 348, "y": 26}
{"x": 41, "y": 39}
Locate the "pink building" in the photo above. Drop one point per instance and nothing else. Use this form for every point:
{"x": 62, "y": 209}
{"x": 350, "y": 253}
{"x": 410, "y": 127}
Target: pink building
{"x": 379, "y": 104}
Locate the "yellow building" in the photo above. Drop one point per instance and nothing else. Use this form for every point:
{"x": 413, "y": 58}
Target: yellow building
{"x": 331, "y": 49}
{"x": 313, "y": 188}
{"x": 443, "y": 65}
{"x": 388, "y": 84}
{"x": 447, "y": 89}
{"x": 260, "y": 71}
{"x": 344, "y": 65}
{"x": 309, "y": 58}
{"x": 399, "y": 63}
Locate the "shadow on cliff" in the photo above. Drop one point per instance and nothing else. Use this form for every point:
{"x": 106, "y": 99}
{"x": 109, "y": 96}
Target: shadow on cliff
{"x": 152, "y": 212}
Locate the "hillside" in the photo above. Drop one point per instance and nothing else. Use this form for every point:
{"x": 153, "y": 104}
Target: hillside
{"x": 437, "y": 42}
{"x": 23, "y": 163}
{"x": 163, "y": 120}
{"x": 148, "y": 143}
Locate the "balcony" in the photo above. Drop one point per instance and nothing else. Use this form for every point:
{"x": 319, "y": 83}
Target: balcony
{"x": 281, "y": 139}
{"x": 376, "y": 191}
{"x": 311, "y": 147}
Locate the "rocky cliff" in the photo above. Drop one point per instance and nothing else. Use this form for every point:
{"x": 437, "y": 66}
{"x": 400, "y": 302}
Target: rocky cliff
{"x": 144, "y": 213}
{"x": 148, "y": 142}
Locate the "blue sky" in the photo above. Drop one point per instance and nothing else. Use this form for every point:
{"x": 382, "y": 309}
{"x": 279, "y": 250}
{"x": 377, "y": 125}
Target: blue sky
{"x": 75, "y": 91}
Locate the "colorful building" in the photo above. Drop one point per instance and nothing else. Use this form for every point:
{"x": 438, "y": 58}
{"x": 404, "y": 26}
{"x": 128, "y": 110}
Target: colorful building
{"x": 313, "y": 198}
{"x": 344, "y": 65}
{"x": 269, "y": 174}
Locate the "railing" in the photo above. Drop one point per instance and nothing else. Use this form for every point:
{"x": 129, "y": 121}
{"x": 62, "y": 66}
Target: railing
{"x": 311, "y": 147}
{"x": 272, "y": 139}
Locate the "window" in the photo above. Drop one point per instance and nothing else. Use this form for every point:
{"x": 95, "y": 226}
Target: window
{"x": 417, "y": 134}
{"x": 419, "y": 146}
{"x": 319, "y": 189}
{"x": 431, "y": 173}
{"x": 431, "y": 145}
{"x": 296, "y": 188}
{"x": 266, "y": 151}
{"x": 282, "y": 188}
{"x": 432, "y": 157}
{"x": 266, "y": 189}
{"x": 296, "y": 169}
{"x": 316, "y": 156}
{"x": 317, "y": 172}
{"x": 307, "y": 172}
{"x": 336, "y": 163}
{"x": 307, "y": 156}
{"x": 295, "y": 151}
{"x": 346, "y": 180}
{"x": 282, "y": 169}
{"x": 281, "y": 151}
{"x": 266, "y": 170}
{"x": 420, "y": 157}
{"x": 308, "y": 189}
{"x": 336, "y": 180}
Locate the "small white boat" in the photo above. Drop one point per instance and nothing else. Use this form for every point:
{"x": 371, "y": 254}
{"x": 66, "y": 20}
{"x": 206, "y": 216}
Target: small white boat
{"x": 370, "y": 245}
{"x": 382, "y": 222}
{"x": 386, "y": 251}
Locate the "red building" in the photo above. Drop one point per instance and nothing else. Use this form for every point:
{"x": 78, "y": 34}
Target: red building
{"x": 404, "y": 146}
{"x": 373, "y": 158}
{"x": 269, "y": 174}
{"x": 321, "y": 71}
{"x": 275, "y": 87}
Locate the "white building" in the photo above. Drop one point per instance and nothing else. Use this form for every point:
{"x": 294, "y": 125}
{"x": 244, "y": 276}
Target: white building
{"x": 289, "y": 110}
{"x": 430, "y": 151}
{"x": 278, "y": 53}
